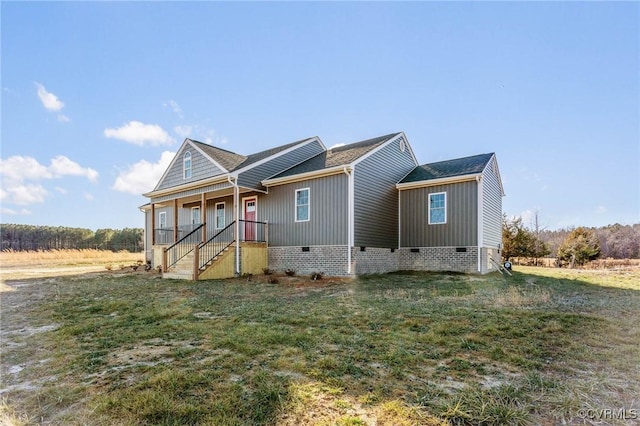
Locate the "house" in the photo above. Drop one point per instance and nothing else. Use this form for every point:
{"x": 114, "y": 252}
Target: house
{"x": 366, "y": 207}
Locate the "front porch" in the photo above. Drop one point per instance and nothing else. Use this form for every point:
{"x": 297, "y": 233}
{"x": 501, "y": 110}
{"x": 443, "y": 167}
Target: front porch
{"x": 206, "y": 233}
{"x": 221, "y": 256}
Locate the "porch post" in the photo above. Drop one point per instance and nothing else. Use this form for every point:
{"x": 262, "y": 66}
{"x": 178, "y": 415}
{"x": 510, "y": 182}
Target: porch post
{"x": 236, "y": 214}
{"x": 153, "y": 224}
{"x": 203, "y": 216}
{"x": 175, "y": 220}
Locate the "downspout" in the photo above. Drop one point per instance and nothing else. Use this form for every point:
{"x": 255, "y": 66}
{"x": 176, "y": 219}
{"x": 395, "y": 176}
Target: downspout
{"x": 236, "y": 218}
{"x": 480, "y": 222}
{"x": 350, "y": 214}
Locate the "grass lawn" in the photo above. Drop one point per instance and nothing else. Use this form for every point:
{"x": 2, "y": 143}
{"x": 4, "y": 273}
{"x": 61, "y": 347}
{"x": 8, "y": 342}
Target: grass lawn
{"x": 545, "y": 346}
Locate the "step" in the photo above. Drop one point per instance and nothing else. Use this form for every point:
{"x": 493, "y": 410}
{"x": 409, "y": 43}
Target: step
{"x": 178, "y": 275}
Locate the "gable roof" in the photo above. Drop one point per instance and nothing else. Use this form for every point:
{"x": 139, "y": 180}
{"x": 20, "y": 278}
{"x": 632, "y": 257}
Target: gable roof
{"x": 232, "y": 161}
{"x": 336, "y": 157}
{"x": 448, "y": 169}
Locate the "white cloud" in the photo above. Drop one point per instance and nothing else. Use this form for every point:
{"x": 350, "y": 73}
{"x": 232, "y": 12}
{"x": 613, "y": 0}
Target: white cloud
{"x": 183, "y": 131}
{"x": 601, "y": 210}
{"x": 88, "y": 196}
{"x": 174, "y": 106}
{"x": 23, "y": 194}
{"x": 139, "y": 133}
{"x": 61, "y": 166}
{"x": 17, "y": 171}
{"x": 143, "y": 175}
{"x": 61, "y": 190}
{"x": 48, "y": 99}
{"x": 11, "y": 212}
{"x": 63, "y": 118}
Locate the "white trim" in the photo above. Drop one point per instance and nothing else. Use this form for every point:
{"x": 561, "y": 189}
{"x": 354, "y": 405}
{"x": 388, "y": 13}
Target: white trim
{"x": 480, "y": 214}
{"x": 399, "y": 219}
{"x": 249, "y": 198}
{"x": 187, "y": 141}
{"x": 279, "y": 154}
{"x": 224, "y": 216}
{"x": 384, "y": 144}
{"x": 295, "y": 205}
{"x": 303, "y": 176}
{"x": 434, "y": 182}
{"x": 494, "y": 163}
{"x": 215, "y": 163}
{"x": 351, "y": 215}
{"x": 187, "y": 186}
{"x": 199, "y": 214}
{"x": 429, "y": 207}
{"x": 184, "y": 168}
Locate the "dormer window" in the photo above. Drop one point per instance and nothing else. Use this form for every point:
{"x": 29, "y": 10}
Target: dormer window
{"x": 186, "y": 165}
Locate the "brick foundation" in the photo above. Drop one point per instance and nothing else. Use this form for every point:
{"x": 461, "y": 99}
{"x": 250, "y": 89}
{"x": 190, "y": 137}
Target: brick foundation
{"x": 374, "y": 260}
{"x": 329, "y": 260}
{"x": 439, "y": 259}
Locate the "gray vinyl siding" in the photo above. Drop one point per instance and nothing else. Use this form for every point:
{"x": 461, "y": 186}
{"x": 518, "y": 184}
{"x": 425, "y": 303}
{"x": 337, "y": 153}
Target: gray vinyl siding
{"x": 211, "y": 212}
{"x": 201, "y": 168}
{"x": 376, "y": 197}
{"x": 461, "y": 228}
{"x": 252, "y": 177}
{"x": 492, "y": 207}
{"x": 192, "y": 192}
{"x": 328, "y": 213}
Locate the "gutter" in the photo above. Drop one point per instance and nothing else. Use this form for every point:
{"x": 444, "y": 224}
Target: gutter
{"x": 440, "y": 181}
{"x": 304, "y": 176}
{"x": 348, "y": 170}
{"x": 480, "y": 220}
{"x": 236, "y": 217}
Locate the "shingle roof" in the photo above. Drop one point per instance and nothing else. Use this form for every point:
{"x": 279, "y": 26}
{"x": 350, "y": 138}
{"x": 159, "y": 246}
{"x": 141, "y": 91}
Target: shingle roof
{"x": 232, "y": 161}
{"x": 338, "y": 156}
{"x": 450, "y": 168}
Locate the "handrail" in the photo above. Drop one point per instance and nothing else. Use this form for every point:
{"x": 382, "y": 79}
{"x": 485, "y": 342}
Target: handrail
{"x": 211, "y": 248}
{"x": 251, "y": 231}
{"x": 176, "y": 247}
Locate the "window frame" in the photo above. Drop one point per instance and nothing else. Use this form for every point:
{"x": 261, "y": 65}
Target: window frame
{"x": 193, "y": 209}
{"x": 430, "y": 209}
{"x": 187, "y": 164}
{"x": 296, "y": 205}
{"x": 224, "y": 218}
{"x": 162, "y": 220}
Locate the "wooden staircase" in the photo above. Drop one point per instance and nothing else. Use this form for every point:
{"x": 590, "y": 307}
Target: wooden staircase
{"x": 183, "y": 269}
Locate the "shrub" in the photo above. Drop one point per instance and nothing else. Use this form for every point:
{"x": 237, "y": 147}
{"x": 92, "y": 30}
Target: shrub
{"x": 317, "y": 275}
{"x": 290, "y": 272}
{"x": 273, "y": 280}
{"x": 267, "y": 271}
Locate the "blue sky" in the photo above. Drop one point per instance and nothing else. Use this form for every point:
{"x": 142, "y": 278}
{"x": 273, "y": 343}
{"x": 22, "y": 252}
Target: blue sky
{"x": 97, "y": 96}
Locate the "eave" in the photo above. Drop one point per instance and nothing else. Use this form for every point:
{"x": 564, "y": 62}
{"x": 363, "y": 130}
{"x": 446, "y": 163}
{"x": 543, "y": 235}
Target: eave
{"x": 440, "y": 181}
{"x": 187, "y": 186}
{"x": 308, "y": 175}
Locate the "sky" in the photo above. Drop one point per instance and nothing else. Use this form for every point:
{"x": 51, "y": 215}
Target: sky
{"x": 98, "y": 96}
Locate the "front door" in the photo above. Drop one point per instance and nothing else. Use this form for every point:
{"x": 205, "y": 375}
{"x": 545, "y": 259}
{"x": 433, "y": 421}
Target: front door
{"x": 250, "y": 219}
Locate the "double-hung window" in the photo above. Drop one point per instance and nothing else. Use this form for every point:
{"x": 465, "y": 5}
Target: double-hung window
{"x": 302, "y": 205}
{"x": 219, "y": 215}
{"x": 437, "y": 208}
{"x": 186, "y": 165}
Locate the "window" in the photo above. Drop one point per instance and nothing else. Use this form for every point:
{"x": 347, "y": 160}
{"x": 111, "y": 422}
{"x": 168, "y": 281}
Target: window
{"x": 186, "y": 165}
{"x": 302, "y": 205}
{"x": 162, "y": 220}
{"x": 219, "y": 215}
{"x": 437, "y": 208}
{"x": 195, "y": 215}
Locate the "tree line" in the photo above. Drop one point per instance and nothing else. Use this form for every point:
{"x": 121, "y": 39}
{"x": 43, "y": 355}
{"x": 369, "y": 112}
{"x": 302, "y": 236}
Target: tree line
{"x": 31, "y": 237}
{"x": 573, "y": 246}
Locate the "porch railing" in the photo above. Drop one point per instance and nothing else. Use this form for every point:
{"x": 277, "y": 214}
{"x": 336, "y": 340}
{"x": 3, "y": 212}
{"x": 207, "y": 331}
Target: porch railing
{"x": 181, "y": 248}
{"x": 215, "y": 245}
{"x": 165, "y": 235}
{"x": 250, "y": 231}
